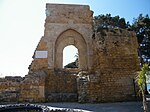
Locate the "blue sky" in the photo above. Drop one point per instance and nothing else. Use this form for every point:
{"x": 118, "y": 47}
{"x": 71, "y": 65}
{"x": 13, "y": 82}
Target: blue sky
{"x": 22, "y": 25}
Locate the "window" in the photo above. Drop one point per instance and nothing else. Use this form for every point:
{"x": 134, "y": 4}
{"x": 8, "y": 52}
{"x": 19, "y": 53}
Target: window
{"x": 70, "y": 55}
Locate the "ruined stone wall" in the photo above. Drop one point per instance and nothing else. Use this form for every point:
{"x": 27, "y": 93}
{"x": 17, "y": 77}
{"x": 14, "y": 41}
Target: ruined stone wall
{"x": 71, "y": 22}
{"x": 109, "y": 61}
{"x": 32, "y": 88}
{"x": 39, "y": 63}
{"x": 10, "y": 89}
{"x": 79, "y": 14}
{"x": 61, "y": 86}
{"x": 115, "y": 65}
{"x": 64, "y": 25}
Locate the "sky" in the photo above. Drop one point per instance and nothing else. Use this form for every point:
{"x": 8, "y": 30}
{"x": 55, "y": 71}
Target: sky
{"x": 22, "y": 26}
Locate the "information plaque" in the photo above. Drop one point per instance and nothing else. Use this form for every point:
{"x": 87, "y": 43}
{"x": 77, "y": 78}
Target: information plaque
{"x": 41, "y": 54}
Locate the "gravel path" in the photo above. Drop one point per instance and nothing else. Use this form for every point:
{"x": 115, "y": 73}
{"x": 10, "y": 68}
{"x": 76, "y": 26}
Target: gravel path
{"x": 102, "y": 107}
{"x": 99, "y": 107}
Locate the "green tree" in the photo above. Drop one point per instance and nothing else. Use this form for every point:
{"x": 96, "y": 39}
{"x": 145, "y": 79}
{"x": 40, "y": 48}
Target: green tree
{"x": 107, "y": 21}
{"x": 141, "y": 26}
{"x": 141, "y": 81}
{"x": 122, "y": 23}
{"x": 73, "y": 64}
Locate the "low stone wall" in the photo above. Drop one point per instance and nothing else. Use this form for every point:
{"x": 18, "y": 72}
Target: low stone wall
{"x": 30, "y": 88}
{"x": 41, "y": 86}
{"x": 61, "y": 86}
{"x": 10, "y": 88}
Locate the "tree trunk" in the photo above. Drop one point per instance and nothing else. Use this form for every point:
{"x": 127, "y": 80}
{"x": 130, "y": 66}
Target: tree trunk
{"x": 140, "y": 55}
{"x": 144, "y": 102}
{"x": 146, "y": 92}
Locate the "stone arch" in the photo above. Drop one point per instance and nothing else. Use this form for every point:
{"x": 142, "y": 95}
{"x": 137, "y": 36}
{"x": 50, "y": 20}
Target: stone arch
{"x": 71, "y": 37}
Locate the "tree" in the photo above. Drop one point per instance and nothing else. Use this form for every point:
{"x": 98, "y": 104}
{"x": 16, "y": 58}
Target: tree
{"x": 122, "y": 23}
{"x": 107, "y": 21}
{"x": 141, "y": 81}
{"x": 141, "y": 26}
{"x": 73, "y": 64}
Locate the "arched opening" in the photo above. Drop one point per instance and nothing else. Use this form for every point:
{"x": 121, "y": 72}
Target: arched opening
{"x": 71, "y": 37}
{"x": 70, "y": 57}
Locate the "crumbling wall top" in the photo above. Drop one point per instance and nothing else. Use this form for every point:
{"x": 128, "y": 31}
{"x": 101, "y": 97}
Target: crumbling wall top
{"x": 61, "y": 13}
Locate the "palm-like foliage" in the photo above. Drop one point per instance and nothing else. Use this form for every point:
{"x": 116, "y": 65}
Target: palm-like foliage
{"x": 141, "y": 80}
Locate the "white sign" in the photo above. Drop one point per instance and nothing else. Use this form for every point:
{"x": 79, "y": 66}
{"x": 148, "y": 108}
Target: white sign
{"x": 41, "y": 54}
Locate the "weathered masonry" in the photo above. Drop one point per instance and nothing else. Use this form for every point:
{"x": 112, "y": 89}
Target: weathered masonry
{"x": 108, "y": 62}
